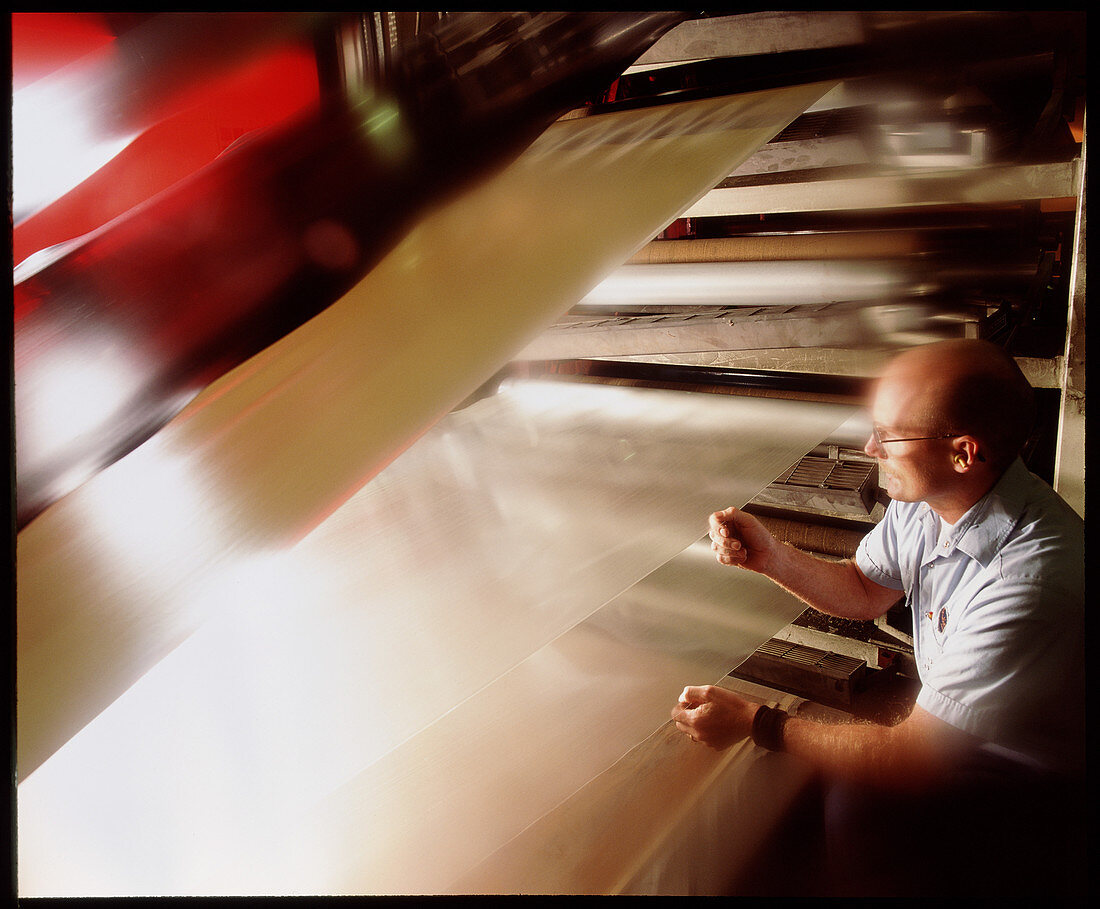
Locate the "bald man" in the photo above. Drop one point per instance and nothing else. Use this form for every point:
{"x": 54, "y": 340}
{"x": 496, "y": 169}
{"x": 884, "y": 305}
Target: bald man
{"x": 991, "y": 562}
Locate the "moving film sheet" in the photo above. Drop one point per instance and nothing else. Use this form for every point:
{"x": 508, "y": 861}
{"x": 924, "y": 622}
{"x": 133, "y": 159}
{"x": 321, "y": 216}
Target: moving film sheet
{"x": 155, "y": 563}
{"x": 107, "y": 577}
{"x": 469, "y": 640}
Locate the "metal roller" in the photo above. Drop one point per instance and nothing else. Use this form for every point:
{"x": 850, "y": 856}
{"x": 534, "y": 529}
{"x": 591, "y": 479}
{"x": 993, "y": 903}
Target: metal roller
{"x": 820, "y": 538}
{"x": 853, "y": 245}
{"x": 803, "y": 282}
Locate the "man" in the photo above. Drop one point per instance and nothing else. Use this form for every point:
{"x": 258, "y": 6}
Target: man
{"x": 991, "y": 561}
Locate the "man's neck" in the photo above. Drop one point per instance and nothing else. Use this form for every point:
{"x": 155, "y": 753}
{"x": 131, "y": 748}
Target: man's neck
{"x": 952, "y": 506}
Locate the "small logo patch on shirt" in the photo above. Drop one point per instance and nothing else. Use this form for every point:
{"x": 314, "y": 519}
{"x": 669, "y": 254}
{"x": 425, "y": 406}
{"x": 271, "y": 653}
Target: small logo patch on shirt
{"x": 941, "y": 621}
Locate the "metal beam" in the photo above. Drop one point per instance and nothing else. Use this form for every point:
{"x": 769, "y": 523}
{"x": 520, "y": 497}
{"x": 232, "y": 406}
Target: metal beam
{"x": 761, "y": 32}
{"x": 949, "y": 187}
{"x": 1069, "y": 459}
{"x": 840, "y": 325}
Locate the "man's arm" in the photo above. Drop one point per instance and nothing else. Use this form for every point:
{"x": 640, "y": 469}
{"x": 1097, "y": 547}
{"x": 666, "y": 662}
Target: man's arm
{"x": 910, "y": 755}
{"x": 836, "y": 588}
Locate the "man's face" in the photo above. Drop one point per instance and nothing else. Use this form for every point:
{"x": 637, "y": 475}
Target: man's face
{"x": 912, "y": 471}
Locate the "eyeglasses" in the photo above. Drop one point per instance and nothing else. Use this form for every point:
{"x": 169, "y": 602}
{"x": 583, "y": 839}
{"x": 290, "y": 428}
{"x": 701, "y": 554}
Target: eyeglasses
{"x": 879, "y": 441}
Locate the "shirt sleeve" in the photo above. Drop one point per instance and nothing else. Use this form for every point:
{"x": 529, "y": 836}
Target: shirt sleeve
{"x": 877, "y": 553}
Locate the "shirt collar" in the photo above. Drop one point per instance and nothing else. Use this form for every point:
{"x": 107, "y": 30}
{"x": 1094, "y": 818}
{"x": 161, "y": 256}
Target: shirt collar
{"x": 981, "y": 532}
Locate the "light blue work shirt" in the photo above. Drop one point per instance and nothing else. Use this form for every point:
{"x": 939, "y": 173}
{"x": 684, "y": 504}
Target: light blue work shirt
{"x": 998, "y": 615}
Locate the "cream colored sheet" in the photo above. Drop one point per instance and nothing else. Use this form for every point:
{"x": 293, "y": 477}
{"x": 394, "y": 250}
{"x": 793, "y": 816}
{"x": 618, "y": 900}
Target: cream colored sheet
{"x": 504, "y": 761}
{"x": 236, "y": 674}
{"x": 669, "y": 818}
{"x": 109, "y": 578}
{"x": 452, "y": 654}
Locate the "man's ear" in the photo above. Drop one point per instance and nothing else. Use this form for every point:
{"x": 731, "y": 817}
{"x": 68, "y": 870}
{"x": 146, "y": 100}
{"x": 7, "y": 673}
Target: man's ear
{"x": 965, "y": 453}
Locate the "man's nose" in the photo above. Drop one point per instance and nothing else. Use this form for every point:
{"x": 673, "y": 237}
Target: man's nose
{"x": 871, "y": 448}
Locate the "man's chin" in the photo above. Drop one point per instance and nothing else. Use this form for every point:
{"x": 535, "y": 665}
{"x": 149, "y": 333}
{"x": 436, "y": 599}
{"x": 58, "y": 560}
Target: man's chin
{"x": 894, "y": 490}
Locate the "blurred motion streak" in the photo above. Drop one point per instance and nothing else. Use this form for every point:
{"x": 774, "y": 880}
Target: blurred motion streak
{"x": 120, "y": 88}
{"x": 279, "y": 85}
{"x": 213, "y": 270}
{"x": 271, "y": 450}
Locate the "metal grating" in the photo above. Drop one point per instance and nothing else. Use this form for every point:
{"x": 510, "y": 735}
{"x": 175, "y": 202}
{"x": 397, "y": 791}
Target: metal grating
{"x": 820, "y": 675}
{"x": 832, "y": 663}
{"x": 840, "y": 486}
{"x": 827, "y": 473}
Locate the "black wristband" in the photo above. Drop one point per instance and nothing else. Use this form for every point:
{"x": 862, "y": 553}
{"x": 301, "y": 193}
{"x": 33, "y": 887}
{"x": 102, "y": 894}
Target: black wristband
{"x": 767, "y": 727}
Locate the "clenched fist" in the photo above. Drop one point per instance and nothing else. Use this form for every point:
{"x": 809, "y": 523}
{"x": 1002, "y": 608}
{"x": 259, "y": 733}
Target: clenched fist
{"x": 738, "y": 538}
{"x": 714, "y": 716}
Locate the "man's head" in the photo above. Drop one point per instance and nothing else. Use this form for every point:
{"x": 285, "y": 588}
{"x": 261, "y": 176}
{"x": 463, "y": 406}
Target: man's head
{"x": 949, "y": 417}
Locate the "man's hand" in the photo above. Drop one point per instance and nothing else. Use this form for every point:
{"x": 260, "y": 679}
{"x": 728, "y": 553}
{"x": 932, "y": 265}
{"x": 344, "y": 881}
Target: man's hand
{"x": 740, "y": 539}
{"x": 714, "y": 716}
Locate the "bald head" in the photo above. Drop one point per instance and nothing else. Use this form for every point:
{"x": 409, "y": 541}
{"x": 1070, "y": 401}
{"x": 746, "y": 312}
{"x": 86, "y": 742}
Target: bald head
{"x": 970, "y": 387}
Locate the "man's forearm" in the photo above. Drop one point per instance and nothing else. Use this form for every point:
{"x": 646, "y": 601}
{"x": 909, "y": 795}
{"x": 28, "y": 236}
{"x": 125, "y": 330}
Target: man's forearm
{"x": 858, "y": 751}
{"x": 916, "y": 752}
{"x": 836, "y": 588}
